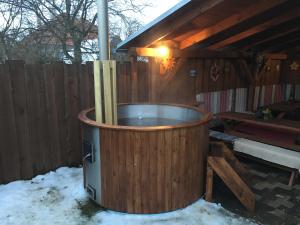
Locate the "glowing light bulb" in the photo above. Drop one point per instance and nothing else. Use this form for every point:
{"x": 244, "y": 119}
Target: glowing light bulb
{"x": 162, "y": 52}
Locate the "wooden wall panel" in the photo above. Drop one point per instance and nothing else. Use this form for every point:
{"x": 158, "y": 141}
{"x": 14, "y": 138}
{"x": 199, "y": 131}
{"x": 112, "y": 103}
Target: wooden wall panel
{"x": 271, "y": 74}
{"x": 123, "y": 82}
{"x": 177, "y": 86}
{"x": 292, "y": 76}
{"x": 180, "y": 88}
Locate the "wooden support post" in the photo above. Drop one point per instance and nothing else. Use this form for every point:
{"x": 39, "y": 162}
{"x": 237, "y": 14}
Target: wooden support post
{"x": 98, "y": 91}
{"x": 113, "y": 66}
{"x": 105, "y": 91}
{"x": 209, "y": 184}
{"x": 293, "y": 177}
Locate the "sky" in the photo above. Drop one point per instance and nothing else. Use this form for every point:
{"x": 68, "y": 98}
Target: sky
{"x": 150, "y": 13}
{"x": 159, "y": 7}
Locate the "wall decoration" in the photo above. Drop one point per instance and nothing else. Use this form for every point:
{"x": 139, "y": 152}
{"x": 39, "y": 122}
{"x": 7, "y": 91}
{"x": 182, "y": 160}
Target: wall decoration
{"x": 166, "y": 64}
{"x": 215, "y": 71}
{"x": 294, "y": 66}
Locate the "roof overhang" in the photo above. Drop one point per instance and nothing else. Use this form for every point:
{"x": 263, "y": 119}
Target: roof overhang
{"x": 223, "y": 25}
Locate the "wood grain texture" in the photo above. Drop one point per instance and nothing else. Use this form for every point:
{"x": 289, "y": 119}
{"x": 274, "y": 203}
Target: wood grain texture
{"x": 152, "y": 171}
{"x": 209, "y": 184}
{"x": 39, "y": 128}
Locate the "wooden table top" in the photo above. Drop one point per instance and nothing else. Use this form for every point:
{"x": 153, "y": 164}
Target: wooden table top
{"x": 287, "y": 130}
{"x": 287, "y": 125}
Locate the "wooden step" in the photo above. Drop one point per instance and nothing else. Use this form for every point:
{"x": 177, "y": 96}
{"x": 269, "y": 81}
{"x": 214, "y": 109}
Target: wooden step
{"x": 222, "y": 162}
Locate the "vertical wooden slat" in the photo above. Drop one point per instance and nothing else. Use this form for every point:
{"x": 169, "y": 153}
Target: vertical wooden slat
{"x": 134, "y": 79}
{"x": 153, "y": 149}
{"x": 161, "y": 172}
{"x": 168, "y": 168}
{"x": 36, "y": 127}
{"x": 44, "y": 129}
{"x": 52, "y": 117}
{"x": 83, "y": 85}
{"x": 120, "y": 141}
{"x": 129, "y": 169}
{"x": 138, "y": 148}
{"x": 108, "y": 104}
{"x": 91, "y": 85}
{"x": 9, "y": 160}
{"x": 61, "y": 110}
{"x": 98, "y": 90}
{"x": 72, "y": 150}
{"x": 19, "y": 98}
{"x": 113, "y": 72}
{"x": 145, "y": 171}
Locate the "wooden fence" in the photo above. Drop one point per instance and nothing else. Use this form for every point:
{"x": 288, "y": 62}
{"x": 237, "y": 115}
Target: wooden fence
{"x": 39, "y": 104}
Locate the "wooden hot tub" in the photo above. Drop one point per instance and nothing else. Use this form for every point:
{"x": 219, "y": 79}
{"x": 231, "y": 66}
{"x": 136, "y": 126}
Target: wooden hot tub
{"x": 153, "y": 161}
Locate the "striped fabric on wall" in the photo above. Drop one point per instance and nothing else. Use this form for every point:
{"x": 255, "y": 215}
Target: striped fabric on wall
{"x": 287, "y": 92}
{"x": 218, "y": 101}
{"x": 270, "y": 94}
{"x": 297, "y": 92}
{"x": 241, "y": 100}
{"x": 223, "y": 101}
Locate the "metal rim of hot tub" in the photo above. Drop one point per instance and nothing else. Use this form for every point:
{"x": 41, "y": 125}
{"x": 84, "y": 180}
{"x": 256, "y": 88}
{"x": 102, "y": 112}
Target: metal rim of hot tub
{"x": 85, "y": 119}
{"x": 150, "y": 169}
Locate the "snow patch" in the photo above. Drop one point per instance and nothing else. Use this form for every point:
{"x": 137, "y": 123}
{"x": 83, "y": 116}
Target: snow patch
{"x": 58, "y": 198}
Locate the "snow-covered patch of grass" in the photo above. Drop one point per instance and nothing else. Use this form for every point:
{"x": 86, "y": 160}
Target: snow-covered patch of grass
{"x": 58, "y": 198}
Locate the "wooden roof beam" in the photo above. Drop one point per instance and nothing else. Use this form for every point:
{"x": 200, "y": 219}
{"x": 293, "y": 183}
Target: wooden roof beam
{"x": 177, "y": 53}
{"x": 275, "y": 56}
{"x": 152, "y": 52}
{"x": 238, "y": 19}
{"x": 269, "y": 34}
{"x": 251, "y": 45}
{"x": 283, "y": 47}
{"x": 264, "y": 46}
{"x": 256, "y": 29}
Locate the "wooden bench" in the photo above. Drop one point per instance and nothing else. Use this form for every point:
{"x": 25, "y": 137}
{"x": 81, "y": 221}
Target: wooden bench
{"x": 270, "y": 140}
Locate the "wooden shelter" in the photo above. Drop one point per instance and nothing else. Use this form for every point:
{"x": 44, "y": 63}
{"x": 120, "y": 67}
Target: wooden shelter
{"x": 220, "y": 45}
{"x": 228, "y": 57}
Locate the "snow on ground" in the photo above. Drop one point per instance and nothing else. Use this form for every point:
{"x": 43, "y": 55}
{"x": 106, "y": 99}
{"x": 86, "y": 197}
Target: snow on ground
{"x": 58, "y": 198}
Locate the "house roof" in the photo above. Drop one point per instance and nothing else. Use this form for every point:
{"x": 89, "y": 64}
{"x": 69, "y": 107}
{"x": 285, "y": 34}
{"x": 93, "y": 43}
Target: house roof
{"x": 224, "y": 25}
